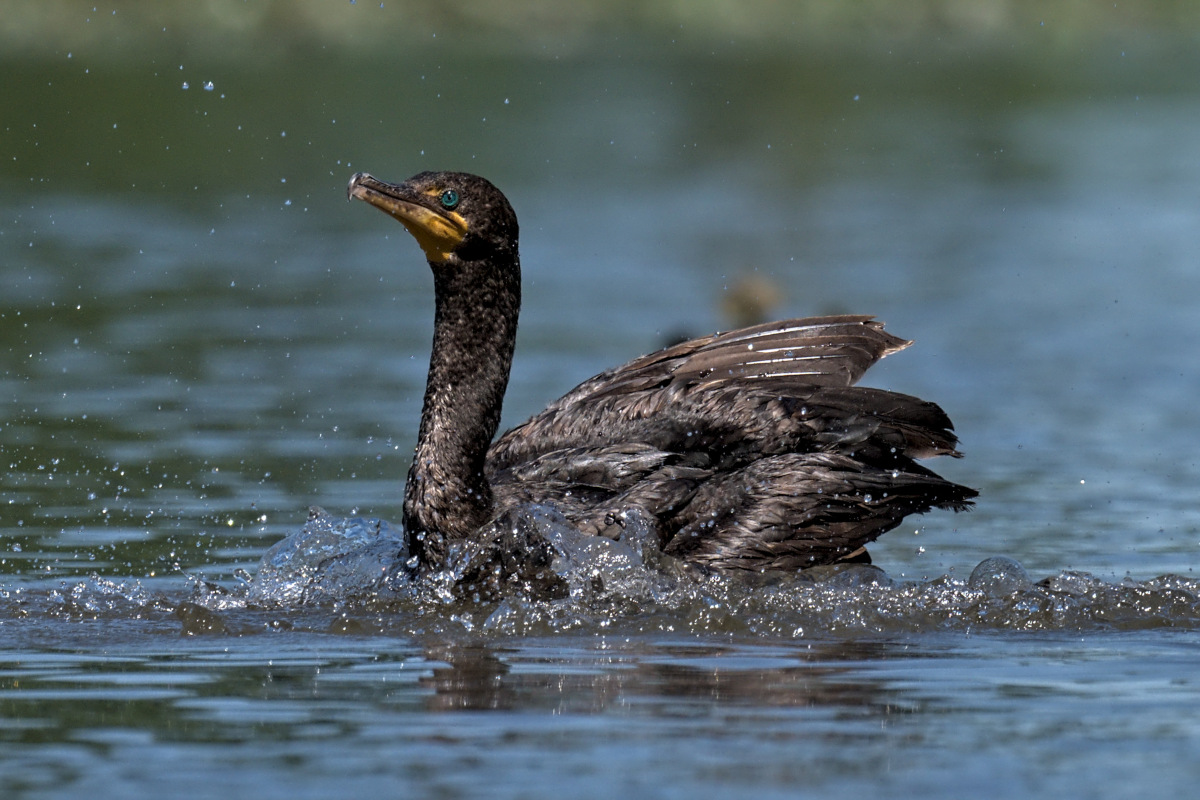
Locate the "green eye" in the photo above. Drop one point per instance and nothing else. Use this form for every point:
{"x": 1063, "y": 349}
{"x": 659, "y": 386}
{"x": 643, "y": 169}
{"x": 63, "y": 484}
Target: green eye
{"x": 449, "y": 198}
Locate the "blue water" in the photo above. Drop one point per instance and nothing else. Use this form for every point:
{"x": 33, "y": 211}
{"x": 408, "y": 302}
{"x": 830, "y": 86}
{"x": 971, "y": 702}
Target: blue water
{"x": 203, "y": 340}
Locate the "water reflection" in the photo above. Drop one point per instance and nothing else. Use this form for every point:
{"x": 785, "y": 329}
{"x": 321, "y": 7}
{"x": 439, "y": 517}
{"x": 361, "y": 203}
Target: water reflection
{"x": 656, "y": 678}
{"x": 220, "y": 685}
{"x": 107, "y": 672}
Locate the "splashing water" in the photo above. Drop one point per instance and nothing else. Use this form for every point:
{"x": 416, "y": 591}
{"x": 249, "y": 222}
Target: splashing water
{"x": 335, "y": 572}
{"x": 627, "y": 585}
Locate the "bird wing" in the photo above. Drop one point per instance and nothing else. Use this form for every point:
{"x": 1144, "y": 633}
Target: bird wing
{"x": 794, "y": 511}
{"x": 751, "y": 448}
{"x": 825, "y": 351}
{"x": 748, "y": 386}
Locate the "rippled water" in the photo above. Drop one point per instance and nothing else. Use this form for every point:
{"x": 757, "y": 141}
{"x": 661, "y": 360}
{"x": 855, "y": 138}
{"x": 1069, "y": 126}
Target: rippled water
{"x": 201, "y": 340}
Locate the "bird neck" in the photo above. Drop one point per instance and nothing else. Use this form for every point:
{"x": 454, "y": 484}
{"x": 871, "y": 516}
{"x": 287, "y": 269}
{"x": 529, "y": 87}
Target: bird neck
{"x": 447, "y": 496}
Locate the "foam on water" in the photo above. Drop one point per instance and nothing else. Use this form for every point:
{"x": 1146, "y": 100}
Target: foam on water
{"x": 352, "y": 575}
{"x": 627, "y": 584}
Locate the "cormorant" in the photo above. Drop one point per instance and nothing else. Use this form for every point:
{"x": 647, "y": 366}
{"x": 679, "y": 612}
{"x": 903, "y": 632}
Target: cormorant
{"x": 748, "y": 450}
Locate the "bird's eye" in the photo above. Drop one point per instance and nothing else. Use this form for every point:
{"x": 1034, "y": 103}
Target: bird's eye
{"x": 449, "y": 199}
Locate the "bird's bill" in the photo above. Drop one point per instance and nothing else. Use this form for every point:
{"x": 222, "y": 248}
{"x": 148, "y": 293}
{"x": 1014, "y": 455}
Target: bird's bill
{"x": 438, "y": 232}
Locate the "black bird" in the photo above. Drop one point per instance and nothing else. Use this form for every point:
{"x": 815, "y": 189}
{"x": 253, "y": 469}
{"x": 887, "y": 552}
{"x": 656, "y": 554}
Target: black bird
{"x": 750, "y": 450}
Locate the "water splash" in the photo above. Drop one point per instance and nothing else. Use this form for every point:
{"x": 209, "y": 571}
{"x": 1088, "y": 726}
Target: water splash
{"x": 585, "y": 582}
{"x": 329, "y": 560}
{"x": 535, "y": 574}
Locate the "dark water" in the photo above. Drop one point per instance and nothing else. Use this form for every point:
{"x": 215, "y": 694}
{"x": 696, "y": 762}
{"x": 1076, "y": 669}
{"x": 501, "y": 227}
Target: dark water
{"x": 201, "y": 339}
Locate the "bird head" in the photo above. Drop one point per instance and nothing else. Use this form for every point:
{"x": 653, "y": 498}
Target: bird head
{"x": 454, "y": 216}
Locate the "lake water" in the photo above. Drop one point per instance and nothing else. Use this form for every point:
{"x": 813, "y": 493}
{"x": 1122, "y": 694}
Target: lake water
{"x": 202, "y": 339}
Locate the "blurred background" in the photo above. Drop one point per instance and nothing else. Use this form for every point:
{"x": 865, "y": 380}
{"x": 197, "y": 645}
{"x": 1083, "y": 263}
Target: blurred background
{"x": 199, "y": 336}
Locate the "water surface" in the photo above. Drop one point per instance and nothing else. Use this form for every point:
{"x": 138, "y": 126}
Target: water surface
{"x": 201, "y": 339}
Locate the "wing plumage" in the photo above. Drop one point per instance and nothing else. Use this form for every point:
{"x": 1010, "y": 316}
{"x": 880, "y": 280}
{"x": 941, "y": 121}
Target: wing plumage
{"x": 753, "y": 448}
